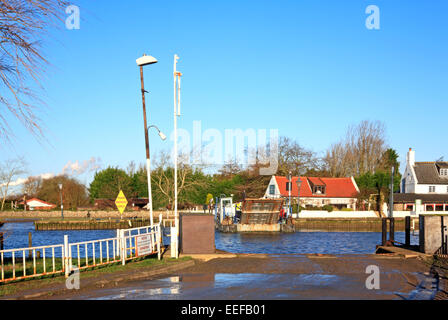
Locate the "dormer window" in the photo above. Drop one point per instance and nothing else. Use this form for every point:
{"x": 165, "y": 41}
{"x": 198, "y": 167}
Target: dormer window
{"x": 444, "y": 172}
{"x": 319, "y": 189}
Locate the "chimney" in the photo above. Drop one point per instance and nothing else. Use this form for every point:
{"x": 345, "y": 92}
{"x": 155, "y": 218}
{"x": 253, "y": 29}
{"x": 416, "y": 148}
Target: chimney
{"x": 411, "y": 157}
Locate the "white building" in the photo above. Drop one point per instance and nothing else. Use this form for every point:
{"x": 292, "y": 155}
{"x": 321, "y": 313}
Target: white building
{"x": 424, "y": 177}
{"x": 425, "y": 182}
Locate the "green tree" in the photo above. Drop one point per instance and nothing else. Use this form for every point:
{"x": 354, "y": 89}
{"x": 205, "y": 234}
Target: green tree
{"x": 107, "y": 184}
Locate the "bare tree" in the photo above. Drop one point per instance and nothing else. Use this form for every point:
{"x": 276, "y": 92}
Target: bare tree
{"x": 163, "y": 177}
{"x": 360, "y": 151}
{"x": 32, "y": 186}
{"x": 294, "y": 158}
{"x": 9, "y": 171}
{"x": 23, "y": 24}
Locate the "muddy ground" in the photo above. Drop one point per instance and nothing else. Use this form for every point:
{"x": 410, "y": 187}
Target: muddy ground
{"x": 260, "y": 276}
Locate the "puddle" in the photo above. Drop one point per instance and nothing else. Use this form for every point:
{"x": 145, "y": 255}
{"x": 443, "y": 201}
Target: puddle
{"x": 242, "y": 286}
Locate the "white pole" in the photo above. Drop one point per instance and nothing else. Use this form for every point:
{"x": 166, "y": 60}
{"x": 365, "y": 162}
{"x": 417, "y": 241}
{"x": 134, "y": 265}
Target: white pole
{"x": 174, "y": 248}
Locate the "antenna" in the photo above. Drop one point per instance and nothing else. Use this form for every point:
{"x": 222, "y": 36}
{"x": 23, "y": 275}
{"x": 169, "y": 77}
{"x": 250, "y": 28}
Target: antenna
{"x": 440, "y": 159}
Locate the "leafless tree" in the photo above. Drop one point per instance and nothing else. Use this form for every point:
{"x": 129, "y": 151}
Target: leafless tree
{"x": 163, "y": 176}
{"x": 32, "y": 186}
{"x": 9, "y": 170}
{"x": 359, "y": 152}
{"x": 23, "y": 24}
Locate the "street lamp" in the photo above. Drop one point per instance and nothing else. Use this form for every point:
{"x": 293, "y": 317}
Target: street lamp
{"x": 299, "y": 184}
{"x": 62, "y": 205}
{"x": 161, "y": 134}
{"x": 143, "y": 61}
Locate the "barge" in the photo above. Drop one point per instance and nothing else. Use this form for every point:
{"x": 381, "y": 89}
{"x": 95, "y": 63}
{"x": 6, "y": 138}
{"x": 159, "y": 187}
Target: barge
{"x": 256, "y": 215}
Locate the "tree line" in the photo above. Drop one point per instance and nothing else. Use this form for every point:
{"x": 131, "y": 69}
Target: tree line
{"x": 362, "y": 153}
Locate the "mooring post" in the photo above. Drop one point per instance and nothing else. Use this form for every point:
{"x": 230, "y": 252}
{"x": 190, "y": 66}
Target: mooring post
{"x": 392, "y": 229}
{"x": 384, "y": 231}
{"x": 30, "y": 244}
{"x": 407, "y": 227}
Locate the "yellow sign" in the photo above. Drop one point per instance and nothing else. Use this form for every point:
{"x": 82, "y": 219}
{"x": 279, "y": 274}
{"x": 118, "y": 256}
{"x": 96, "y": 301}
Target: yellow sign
{"x": 121, "y": 202}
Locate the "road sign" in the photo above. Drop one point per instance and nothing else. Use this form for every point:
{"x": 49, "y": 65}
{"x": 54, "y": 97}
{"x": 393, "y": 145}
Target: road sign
{"x": 121, "y": 202}
{"x": 143, "y": 245}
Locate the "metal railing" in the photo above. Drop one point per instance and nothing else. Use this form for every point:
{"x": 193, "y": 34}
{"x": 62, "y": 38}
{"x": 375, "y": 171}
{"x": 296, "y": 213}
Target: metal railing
{"x": 63, "y": 258}
{"x": 42, "y": 260}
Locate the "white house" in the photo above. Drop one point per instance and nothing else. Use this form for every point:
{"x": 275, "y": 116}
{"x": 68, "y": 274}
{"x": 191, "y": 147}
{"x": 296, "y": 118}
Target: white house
{"x": 424, "y": 177}
{"x": 37, "y": 204}
{"x": 316, "y": 191}
{"x": 423, "y": 181}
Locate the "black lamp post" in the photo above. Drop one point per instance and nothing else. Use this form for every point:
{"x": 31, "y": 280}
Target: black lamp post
{"x": 62, "y": 205}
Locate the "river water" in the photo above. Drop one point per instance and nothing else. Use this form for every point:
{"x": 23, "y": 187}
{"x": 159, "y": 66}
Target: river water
{"x": 16, "y": 236}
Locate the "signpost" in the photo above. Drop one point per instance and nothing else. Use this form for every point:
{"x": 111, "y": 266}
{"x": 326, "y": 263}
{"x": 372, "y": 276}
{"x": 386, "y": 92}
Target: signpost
{"x": 143, "y": 245}
{"x": 121, "y": 202}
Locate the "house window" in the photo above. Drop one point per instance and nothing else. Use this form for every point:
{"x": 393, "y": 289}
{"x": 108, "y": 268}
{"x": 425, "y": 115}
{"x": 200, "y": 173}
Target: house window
{"x": 429, "y": 207}
{"x": 409, "y": 207}
{"x": 272, "y": 189}
{"x": 444, "y": 172}
{"x": 432, "y": 188}
{"x": 439, "y": 207}
{"x": 319, "y": 189}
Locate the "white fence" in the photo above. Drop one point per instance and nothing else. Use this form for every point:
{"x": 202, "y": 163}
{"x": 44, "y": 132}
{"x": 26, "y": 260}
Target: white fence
{"x": 63, "y": 258}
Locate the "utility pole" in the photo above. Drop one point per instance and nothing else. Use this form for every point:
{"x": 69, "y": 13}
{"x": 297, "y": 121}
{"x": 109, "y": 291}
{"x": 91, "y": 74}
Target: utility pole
{"x": 177, "y": 75}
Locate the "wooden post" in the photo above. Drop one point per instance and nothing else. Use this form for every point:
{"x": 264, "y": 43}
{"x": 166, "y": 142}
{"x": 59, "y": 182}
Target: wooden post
{"x": 407, "y": 227}
{"x": 30, "y": 244}
{"x": 1, "y": 240}
{"x": 392, "y": 229}
{"x": 384, "y": 231}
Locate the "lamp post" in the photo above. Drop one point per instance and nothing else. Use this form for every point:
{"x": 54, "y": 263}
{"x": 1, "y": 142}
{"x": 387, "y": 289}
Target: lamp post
{"x": 299, "y": 184}
{"x": 62, "y": 205}
{"x": 143, "y": 61}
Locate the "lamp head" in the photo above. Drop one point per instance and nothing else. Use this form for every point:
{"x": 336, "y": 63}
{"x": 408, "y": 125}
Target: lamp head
{"x": 162, "y": 135}
{"x": 144, "y": 60}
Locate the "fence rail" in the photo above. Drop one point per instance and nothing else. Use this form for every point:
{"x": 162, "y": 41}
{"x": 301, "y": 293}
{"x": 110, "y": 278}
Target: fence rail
{"x": 22, "y": 263}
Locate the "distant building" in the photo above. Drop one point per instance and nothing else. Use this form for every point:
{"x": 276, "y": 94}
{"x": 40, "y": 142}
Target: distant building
{"x": 315, "y": 191}
{"x": 424, "y": 181}
{"x": 37, "y": 204}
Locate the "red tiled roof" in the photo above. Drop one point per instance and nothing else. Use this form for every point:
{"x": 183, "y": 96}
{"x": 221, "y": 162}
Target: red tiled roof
{"x": 335, "y": 187}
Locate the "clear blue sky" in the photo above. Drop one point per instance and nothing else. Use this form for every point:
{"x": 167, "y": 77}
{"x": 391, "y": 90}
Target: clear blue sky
{"x": 308, "y": 68}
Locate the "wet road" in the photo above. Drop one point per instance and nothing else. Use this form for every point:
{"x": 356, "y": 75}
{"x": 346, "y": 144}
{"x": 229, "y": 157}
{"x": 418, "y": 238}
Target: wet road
{"x": 276, "y": 277}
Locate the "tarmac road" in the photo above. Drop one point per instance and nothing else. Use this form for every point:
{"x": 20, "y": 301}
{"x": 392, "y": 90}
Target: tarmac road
{"x": 277, "y": 277}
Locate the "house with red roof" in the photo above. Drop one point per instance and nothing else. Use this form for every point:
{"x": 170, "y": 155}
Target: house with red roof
{"x": 37, "y": 204}
{"x": 316, "y": 191}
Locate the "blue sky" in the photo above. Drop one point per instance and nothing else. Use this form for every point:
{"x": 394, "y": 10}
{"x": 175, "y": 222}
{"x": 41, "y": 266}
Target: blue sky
{"x": 307, "y": 68}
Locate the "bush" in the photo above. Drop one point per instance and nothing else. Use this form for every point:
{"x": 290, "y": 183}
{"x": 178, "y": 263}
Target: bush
{"x": 327, "y": 207}
{"x": 346, "y": 209}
